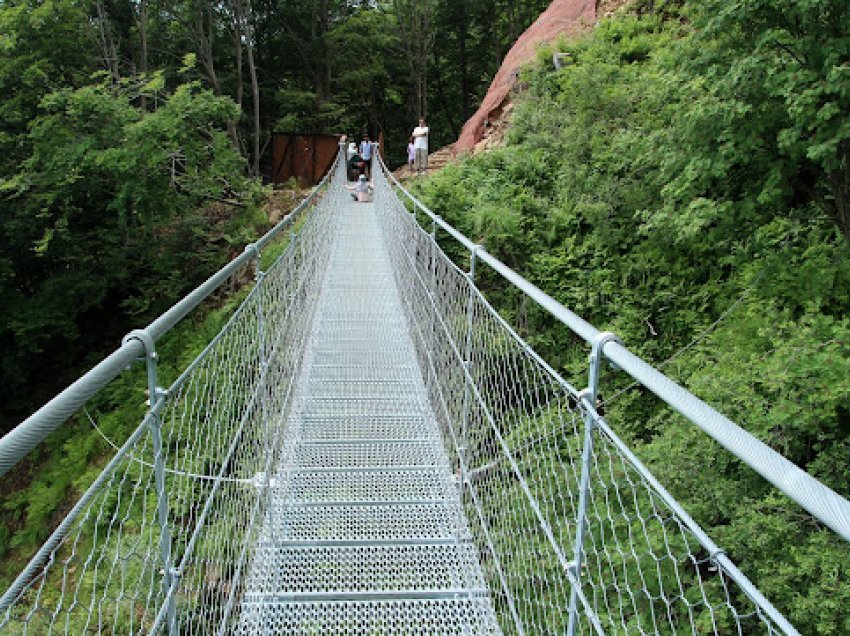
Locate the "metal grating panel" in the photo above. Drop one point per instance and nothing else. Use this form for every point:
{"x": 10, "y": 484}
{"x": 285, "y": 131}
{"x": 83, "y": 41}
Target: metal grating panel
{"x": 376, "y": 485}
{"x": 366, "y": 427}
{"x": 365, "y": 523}
{"x": 363, "y": 372}
{"x": 381, "y": 329}
{"x": 448, "y": 617}
{"x": 375, "y": 359}
{"x": 394, "y": 406}
{"x": 376, "y": 568}
{"x": 363, "y": 312}
{"x": 370, "y": 455}
{"x": 400, "y": 388}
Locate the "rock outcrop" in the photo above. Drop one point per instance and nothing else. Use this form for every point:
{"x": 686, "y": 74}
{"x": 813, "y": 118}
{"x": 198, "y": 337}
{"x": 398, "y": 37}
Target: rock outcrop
{"x": 563, "y": 17}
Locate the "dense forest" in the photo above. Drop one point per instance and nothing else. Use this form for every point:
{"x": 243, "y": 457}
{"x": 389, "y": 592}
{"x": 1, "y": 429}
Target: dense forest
{"x": 124, "y": 124}
{"x": 683, "y": 180}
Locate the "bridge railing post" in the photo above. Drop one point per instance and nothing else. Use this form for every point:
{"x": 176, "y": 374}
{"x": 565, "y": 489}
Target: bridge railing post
{"x": 264, "y": 492}
{"x": 463, "y": 438}
{"x": 262, "y": 353}
{"x": 157, "y": 397}
{"x": 587, "y": 400}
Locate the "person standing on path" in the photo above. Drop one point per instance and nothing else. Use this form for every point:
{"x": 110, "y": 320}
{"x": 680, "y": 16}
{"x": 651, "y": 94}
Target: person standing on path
{"x": 366, "y": 153}
{"x": 420, "y": 145}
{"x": 411, "y": 156}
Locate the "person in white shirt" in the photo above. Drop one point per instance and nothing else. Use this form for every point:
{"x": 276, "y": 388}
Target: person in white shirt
{"x": 420, "y": 146}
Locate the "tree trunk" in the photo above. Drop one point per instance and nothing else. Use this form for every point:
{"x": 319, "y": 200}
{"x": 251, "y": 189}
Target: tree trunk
{"x": 414, "y": 18}
{"x": 512, "y": 22}
{"x": 255, "y": 87}
{"x": 463, "y": 33}
{"x": 327, "y": 91}
{"x": 422, "y": 62}
{"x": 839, "y": 186}
{"x": 202, "y": 33}
{"x": 441, "y": 94}
{"x": 143, "y": 37}
{"x": 237, "y": 44}
{"x": 238, "y": 32}
{"x": 108, "y": 50}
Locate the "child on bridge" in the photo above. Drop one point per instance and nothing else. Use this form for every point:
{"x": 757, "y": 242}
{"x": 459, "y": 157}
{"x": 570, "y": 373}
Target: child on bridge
{"x": 362, "y": 190}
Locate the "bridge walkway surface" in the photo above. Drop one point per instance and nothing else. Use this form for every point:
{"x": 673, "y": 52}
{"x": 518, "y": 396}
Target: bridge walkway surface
{"x": 365, "y": 531}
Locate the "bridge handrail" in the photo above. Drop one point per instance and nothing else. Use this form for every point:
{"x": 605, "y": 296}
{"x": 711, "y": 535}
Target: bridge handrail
{"x": 819, "y": 500}
{"x": 29, "y": 433}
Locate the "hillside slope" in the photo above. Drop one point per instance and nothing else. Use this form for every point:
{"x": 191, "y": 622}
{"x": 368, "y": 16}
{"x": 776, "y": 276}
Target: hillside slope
{"x": 562, "y": 18}
{"x": 661, "y": 193}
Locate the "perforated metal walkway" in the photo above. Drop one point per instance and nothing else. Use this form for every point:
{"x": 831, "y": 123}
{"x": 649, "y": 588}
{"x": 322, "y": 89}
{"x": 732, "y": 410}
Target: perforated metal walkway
{"x": 365, "y": 532}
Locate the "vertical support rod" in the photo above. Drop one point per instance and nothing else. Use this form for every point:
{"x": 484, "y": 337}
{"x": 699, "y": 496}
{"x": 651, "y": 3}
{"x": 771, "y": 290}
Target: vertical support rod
{"x": 588, "y": 402}
{"x": 157, "y": 397}
{"x": 433, "y": 256}
{"x": 467, "y": 356}
{"x": 263, "y": 358}
{"x": 263, "y": 348}
{"x": 296, "y": 263}
{"x": 262, "y": 353}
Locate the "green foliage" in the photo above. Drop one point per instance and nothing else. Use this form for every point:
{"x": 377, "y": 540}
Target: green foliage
{"x": 70, "y": 458}
{"x": 44, "y": 45}
{"x": 771, "y": 95}
{"x": 681, "y": 188}
{"x": 106, "y": 213}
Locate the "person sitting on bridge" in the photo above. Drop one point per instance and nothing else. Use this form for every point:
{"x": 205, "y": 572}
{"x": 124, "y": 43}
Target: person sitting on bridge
{"x": 362, "y": 190}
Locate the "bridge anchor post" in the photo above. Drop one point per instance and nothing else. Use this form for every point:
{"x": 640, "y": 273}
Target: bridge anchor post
{"x": 587, "y": 401}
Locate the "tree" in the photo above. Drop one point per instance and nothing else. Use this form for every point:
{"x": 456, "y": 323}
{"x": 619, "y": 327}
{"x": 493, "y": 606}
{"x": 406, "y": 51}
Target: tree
{"x": 788, "y": 60}
{"x": 246, "y": 18}
{"x": 415, "y": 21}
{"x": 367, "y": 92}
{"x": 101, "y": 215}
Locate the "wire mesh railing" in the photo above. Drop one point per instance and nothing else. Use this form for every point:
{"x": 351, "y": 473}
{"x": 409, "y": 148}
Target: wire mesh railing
{"x": 574, "y": 534}
{"x": 161, "y": 540}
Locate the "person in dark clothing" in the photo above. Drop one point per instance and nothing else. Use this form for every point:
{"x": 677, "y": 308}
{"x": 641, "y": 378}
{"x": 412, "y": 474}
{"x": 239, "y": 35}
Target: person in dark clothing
{"x": 356, "y": 167}
{"x": 366, "y": 149}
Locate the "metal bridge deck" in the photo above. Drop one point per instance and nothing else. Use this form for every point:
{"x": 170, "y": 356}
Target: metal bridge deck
{"x": 365, "y": 532}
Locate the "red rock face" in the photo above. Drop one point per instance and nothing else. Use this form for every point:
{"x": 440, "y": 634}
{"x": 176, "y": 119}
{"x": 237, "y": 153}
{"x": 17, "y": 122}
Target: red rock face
{"x": 562, "y": 17}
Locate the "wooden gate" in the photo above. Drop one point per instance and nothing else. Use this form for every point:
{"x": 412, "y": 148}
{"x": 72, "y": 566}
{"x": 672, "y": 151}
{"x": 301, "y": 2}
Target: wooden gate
{"x": 305, "y": 157}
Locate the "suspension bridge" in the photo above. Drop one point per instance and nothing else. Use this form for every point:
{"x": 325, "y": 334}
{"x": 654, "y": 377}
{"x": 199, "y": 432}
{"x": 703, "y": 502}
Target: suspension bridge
{"x": 368, "y": 447}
